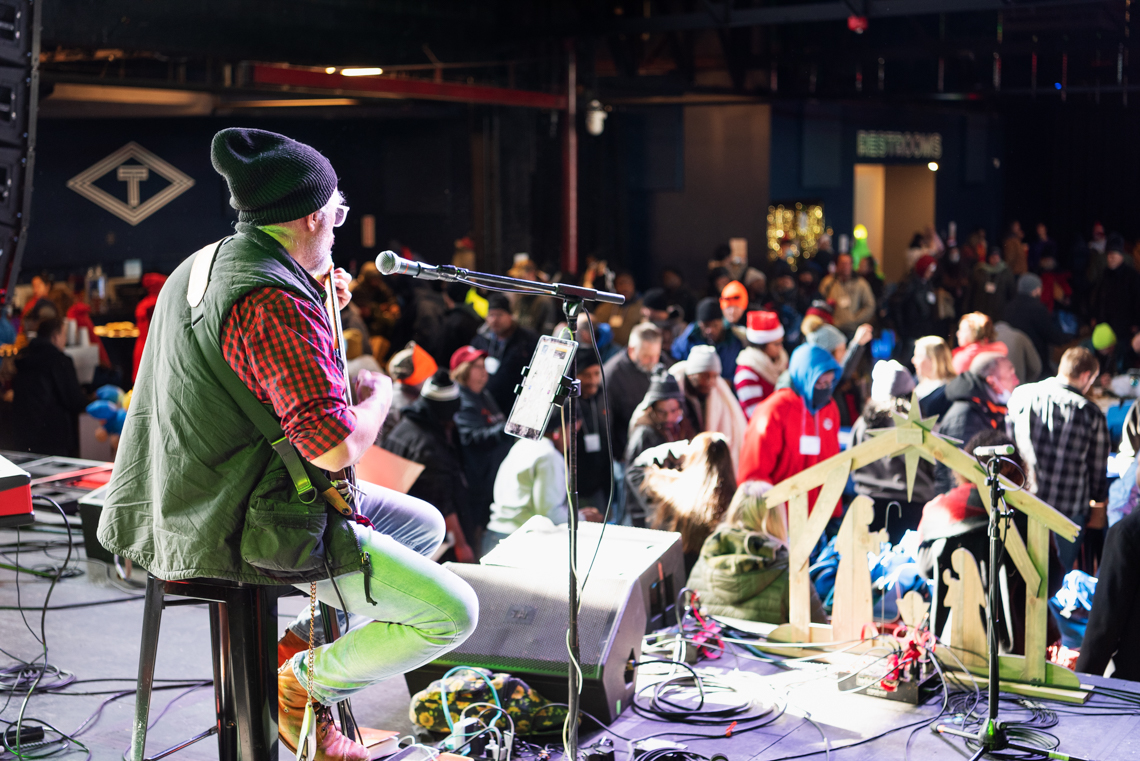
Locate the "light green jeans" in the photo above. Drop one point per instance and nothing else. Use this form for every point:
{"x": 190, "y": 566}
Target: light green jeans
{"x": 422, "y": 610}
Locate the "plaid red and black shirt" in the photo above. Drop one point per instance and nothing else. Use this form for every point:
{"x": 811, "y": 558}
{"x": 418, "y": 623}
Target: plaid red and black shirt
{"x": 282, "y": 349}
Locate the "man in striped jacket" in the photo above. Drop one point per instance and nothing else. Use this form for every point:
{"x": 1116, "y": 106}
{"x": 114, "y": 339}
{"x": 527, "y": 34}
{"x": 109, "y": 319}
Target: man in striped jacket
{"x": 759, "y": 365}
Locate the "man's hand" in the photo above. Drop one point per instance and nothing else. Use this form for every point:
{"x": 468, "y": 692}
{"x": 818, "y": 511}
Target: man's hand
{"x": 341, "y": 280}
{"x": 370, "y": 384}
{"x": 863, "y": 334}
{"x": 590, "y": 515}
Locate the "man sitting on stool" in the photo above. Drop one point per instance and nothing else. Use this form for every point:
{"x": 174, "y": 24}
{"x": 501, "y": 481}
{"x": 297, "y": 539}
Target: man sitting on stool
{"x": 197, "y": 490}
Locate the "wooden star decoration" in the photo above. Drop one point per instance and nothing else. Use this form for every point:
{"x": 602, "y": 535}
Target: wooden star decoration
{"x": 911, "y": 430}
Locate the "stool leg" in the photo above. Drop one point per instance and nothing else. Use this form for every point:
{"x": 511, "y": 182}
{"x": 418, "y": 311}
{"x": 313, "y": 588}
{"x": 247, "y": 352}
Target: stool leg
{"x": 252, "y": 677}
{"x": 267, "y": 631}
{"x": 330, "y": 623}
{"x": 223, "y": 683}
{"x": 152, "y": 621}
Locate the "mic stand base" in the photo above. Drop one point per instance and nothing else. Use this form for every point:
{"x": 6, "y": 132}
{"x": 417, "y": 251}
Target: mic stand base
{"x": 993, "y": 737}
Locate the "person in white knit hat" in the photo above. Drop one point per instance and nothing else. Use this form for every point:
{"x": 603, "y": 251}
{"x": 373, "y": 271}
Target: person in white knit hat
{"x": 709, "y": 402}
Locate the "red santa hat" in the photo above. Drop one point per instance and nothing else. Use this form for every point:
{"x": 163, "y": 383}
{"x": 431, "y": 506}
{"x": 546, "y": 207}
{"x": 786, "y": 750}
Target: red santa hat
{"x": 763, "y": 328}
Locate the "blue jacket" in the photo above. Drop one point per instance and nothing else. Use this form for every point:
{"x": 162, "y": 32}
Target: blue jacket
{"x": 807, "y": 363}
{"x": 728, "y": 349}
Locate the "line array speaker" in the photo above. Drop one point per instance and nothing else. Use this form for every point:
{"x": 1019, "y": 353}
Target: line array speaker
{"x": 19, "y": 97}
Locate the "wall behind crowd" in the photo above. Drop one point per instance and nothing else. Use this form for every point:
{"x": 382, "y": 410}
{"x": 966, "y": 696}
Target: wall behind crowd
{"x": 814, "y": 155}
{"x": 661, "y": 187}
{"x": 414, "y": 176}
{"x": 682, "y": 180}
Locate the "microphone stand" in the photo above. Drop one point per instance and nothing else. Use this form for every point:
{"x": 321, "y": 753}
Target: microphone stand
{"x": 993, "y": 736}
{"x": 572, "y": 297}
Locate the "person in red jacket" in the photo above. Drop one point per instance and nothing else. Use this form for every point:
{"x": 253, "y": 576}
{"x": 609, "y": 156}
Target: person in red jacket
{"x": 795, "y": 427}
{"x": 153, "y": 282}
{"x": 81, "y": 313}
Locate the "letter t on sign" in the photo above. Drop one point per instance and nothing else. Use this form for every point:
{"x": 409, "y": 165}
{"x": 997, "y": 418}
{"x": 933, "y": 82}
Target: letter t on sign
{"x": 132, "y": 174}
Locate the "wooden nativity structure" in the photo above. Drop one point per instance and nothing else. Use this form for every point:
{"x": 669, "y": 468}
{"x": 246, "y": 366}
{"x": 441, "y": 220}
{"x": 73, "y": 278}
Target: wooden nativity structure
{"x": 914, "y": 438}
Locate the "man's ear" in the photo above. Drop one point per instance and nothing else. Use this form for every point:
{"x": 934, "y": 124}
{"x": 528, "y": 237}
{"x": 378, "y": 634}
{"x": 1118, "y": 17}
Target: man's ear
{"x": 313, "y": 221}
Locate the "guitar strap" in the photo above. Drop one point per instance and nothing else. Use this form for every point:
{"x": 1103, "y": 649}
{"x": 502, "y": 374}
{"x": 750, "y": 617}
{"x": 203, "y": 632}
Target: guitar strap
{"x": 308, "y": 479}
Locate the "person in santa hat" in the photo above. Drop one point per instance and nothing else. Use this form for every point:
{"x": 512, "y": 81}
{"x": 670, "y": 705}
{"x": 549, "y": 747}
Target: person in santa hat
{"x": 759, "y": 365}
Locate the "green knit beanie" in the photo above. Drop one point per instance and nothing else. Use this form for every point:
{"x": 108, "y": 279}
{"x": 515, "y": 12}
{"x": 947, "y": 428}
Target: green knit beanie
{"x": 1103, "y": 336}
{"x": 272, "y": 179}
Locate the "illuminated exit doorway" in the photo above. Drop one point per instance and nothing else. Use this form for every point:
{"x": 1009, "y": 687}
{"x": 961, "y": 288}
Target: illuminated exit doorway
{"x": 893, "y": 202}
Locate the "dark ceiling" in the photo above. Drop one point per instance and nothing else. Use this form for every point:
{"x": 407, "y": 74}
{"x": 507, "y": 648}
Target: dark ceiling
{"x": 911, "y": 49}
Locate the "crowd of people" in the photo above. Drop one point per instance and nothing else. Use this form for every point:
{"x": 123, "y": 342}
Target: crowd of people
{"x": 710, "y": 399}
{"x": 691, "y": 410}
{"x": 693, "y": 405}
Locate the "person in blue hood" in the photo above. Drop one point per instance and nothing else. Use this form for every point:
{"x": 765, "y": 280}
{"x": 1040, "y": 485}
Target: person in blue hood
{"x": 795, "y": 427}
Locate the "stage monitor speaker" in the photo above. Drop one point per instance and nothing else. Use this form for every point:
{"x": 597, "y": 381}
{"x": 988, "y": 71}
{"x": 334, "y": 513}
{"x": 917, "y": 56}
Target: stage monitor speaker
{"x": 19, "y": 97}
{"x": 654, "y": 558}
{"x": 522, "y": 631}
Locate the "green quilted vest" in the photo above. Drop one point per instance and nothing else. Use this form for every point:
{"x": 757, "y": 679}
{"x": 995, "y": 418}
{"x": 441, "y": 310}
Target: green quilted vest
{"x": 196, "y": 488}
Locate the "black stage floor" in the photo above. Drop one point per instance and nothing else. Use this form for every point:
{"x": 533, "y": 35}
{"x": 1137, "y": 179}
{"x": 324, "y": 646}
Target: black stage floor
{"x": 94, "y": 641}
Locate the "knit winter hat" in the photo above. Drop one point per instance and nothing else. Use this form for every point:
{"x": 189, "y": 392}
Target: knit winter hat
{"x": 585, "y": 359}
{"x": 440, "y": 388}
{"x": 1103, "y": 337}
{"x": 702, "y": 359}
{"x": 827, "y": 337}
{"x": 272, "y": 179}
{"x": 822, "y": 310}
{"x": 709, "y": 310}
{"x": 1028, "y": 283}
{"x": 412, "y": 365}
{"x": 763, "y": 328}
{"x": 498, "y": 301}
{"x": 662, "y": 386}
{"x": 441, "y": 395}
{"x": 924, "y": 263}
{"x": 655, "y": 299}
{"x": 890, "y": 380}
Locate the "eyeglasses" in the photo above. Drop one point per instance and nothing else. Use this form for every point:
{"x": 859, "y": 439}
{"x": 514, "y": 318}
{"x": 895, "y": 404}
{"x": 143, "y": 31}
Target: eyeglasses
{"x": 339, "y": 215}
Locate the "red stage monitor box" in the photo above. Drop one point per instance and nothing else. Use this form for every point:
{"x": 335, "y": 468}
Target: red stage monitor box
{"x": 15, "y": 495}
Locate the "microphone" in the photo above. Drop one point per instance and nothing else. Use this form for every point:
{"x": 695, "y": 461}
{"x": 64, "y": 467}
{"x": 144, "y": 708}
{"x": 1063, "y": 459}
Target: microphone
{"x": 390, "y": 263}
{"x": 1006, "y": 449}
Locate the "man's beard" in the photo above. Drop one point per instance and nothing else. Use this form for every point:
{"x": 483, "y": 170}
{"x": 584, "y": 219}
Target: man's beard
{"x": 316, "y": 258}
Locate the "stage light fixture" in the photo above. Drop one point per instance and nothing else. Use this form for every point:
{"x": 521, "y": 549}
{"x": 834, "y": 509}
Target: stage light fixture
{"x": 330, "y": 70}
{"x": 372, "y": 71}
{"x": 595, "y": 118}
{"x": 932, "y": 166}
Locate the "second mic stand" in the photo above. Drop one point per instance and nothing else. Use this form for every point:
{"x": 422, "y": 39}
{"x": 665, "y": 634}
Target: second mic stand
{"x": 993, "y": 736}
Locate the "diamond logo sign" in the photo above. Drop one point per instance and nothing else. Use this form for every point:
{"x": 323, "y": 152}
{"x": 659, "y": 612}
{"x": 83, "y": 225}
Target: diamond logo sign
{"x": 134, "y": 165}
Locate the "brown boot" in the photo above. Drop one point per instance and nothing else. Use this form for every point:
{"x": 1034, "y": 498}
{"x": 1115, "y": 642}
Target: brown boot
{"x": 288, "y": 646}
{"x": 291, "y": 700}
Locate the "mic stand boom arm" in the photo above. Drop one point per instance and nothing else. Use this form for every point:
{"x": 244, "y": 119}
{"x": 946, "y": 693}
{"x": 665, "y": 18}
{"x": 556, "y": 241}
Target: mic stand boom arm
{"x": 564, "y": 291}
